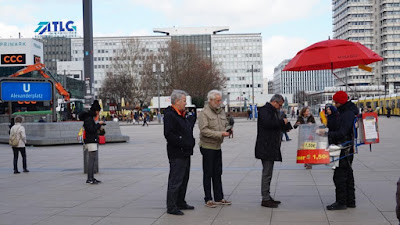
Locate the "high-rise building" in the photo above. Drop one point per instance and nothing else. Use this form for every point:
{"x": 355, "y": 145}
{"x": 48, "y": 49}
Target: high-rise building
{"x": 237, "y": 54}
{"x": 56, "y": 49}
{"x": 240, "y": 57}
{"x": 375, "y": 24}
{"x": 291, "y": 82}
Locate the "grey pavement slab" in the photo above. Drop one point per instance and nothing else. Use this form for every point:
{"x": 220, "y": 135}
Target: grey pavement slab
{"x": 135, "y": 175}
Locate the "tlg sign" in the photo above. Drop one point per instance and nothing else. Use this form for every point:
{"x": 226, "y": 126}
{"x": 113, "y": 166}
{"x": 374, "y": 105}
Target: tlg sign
{"x": 56, "y": 29}
{"x": 12, "y": 91}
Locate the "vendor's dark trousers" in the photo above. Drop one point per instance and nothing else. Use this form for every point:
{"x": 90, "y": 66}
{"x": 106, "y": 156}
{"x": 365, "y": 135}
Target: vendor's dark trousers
{"x": 23, "y": 154}
{"x": 268, "y": 168}
{"x": 179, "y": 169}
{"x": 212, "y": 172}
{"x": 344, "y": 182}
{"x": 91, "y": 161}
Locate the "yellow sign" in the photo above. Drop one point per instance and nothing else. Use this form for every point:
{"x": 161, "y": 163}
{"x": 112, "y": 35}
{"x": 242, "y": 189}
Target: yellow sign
{"x": 310, "y": 145}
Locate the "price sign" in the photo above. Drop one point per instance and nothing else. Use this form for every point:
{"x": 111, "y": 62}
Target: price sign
{"x": 310, "y": 145}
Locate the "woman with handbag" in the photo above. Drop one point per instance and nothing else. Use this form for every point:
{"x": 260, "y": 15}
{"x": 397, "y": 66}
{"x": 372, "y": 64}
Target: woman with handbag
{"x": 17, "y": 141}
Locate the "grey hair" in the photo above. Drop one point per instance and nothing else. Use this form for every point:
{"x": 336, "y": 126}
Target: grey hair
{"x": 211, "y": 94}
{"x": 177, "y": 95}
{"x": 19, "y": 119}
{"x": 277, "y": 98}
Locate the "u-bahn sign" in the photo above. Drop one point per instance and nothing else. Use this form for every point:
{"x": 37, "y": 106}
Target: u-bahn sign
{"x": 25, "y": 91}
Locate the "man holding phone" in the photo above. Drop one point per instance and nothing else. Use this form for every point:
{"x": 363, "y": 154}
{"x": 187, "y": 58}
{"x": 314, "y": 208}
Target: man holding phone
{"x": 213, "y": 127}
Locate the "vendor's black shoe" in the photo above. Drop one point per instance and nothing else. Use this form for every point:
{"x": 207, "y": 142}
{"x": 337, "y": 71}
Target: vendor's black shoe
{"x": 186, "y": 207}
{"x": 176, "y": 212}
{"x": 91, "y": 182}
{"x": 26, "y": 171}
{"x": 336, "y": 206}
{"x": 16, "y": 171}
{"x": 351, "y": 205}
{"x": 97, "y": 181}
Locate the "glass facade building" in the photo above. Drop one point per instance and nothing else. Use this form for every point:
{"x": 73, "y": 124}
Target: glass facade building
{"x": 291, "y": 82}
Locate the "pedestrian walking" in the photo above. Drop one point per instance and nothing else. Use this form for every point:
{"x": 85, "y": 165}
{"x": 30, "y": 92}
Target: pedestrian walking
{"x": 389, "y": 110}
{"x": 268, "y": 144}
{"x": 285, "y": 130}
{"x": 92, "y": 138}
{"x": 178, "y": 131}
{"x": 343, "y": 176}
{"x": 213, "y": 127}
{"x": 18, "y": 141}
{"x": 305, "y": 117}
{"x": 145, "y": 119}
{"x": 231, "y": 122}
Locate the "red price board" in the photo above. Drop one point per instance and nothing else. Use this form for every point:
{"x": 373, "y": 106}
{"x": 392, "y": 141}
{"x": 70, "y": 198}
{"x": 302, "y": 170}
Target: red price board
{"x": 313, "y": 156}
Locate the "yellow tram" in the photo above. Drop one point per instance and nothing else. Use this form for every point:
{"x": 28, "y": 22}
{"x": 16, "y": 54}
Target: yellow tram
{"x": 381, "y": 103}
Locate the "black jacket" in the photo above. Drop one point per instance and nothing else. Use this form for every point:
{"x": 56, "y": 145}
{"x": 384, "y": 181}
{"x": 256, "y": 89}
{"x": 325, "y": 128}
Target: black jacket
{"x": 178, "y": 131}
{"x": 90, "y": 126}
{"x": 269, "y": 134}
{"x": 344, "y": 126}
{"x": 300, "y": 119}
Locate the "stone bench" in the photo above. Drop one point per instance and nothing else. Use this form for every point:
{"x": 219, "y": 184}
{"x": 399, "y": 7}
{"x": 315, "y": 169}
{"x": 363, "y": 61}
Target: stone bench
{"x": 60, "y": 133}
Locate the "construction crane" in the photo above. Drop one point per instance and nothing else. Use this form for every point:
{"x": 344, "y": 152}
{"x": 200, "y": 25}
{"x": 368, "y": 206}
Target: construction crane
{"x": 41, "y": 68}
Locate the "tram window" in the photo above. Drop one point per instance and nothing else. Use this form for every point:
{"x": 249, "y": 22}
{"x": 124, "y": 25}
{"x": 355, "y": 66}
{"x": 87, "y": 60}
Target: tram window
{"x": 375, "y": 104}
{"x": 368, "y": 104}
{"x": 398, "y": 103}
{"x": 392, "y": 105}
{"x": 387, "y": 103}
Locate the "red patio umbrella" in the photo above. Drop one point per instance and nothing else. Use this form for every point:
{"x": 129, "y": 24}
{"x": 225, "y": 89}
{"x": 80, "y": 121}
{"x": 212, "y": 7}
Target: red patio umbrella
{"x": 332, "y": 54}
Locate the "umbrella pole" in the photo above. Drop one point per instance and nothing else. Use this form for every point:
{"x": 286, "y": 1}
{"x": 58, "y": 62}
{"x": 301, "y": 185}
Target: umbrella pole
{"x": 340, "y": 78}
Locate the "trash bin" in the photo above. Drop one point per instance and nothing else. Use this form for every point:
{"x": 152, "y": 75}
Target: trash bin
{"x": 86, "y": 160}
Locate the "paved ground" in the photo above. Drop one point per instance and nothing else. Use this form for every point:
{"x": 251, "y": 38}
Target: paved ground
{"x": 135, "y": 175}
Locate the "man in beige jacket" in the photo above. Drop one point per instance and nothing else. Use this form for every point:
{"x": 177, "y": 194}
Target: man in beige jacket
{"x": 213, "y": 127}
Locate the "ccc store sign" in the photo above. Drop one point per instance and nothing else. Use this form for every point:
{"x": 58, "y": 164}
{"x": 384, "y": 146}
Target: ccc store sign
{"x": 13, "y": 59}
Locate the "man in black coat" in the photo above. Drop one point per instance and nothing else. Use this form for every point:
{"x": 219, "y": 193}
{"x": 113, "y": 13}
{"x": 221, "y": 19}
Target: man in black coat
{"x": 178, "y": 130}
{"x": 268, "y": 144}
{"x": 344, "y": 135}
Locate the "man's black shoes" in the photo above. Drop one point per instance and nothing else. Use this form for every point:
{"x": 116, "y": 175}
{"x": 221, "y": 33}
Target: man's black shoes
{"x": 336, "y": 206}
{"x": 186, "y": 207}
{"x": 276, "y": 202}
{"x": 176, "y": 212}
{"x": 269, "y": 204}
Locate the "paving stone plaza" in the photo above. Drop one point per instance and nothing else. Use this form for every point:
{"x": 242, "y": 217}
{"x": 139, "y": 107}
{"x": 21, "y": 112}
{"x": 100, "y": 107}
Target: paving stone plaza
{"x": 135, "y": 175}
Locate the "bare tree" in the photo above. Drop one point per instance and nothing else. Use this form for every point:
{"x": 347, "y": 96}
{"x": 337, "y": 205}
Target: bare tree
{"x": 300, "y": 97}
{"x": 187, "y": 69}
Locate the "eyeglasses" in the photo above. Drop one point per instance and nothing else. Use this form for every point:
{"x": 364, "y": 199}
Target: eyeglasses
{"x": 280, "y": 104}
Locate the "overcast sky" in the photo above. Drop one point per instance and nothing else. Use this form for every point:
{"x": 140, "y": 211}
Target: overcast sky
{"x": 286, "y": 26}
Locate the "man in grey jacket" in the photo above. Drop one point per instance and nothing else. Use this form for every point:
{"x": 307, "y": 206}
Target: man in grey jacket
{"x": 213, "y": 127}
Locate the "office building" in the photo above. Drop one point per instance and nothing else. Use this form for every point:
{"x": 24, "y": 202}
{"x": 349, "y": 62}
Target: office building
{"x": 374, "y": 24}
{"x": 292, "y": 82}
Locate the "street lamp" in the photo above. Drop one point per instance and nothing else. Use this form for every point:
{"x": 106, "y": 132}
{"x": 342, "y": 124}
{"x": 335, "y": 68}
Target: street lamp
{"x": 252, "y": 88}
{"x": 158, "y": 88}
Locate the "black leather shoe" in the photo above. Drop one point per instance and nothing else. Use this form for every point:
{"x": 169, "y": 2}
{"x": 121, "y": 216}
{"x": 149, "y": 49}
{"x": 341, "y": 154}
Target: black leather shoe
{"x": 176, "y": 212}
{"x": 97, "y": 181}
{"x": 269, "y": 204}
{"x": 277, "y": 202}
{"x": 336, "y": 206}
{"x": 351, "y": 205}
{"x": 16, "y": 171}
{"x": 26, "y": 171}
{"x": 186, "y": 207}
